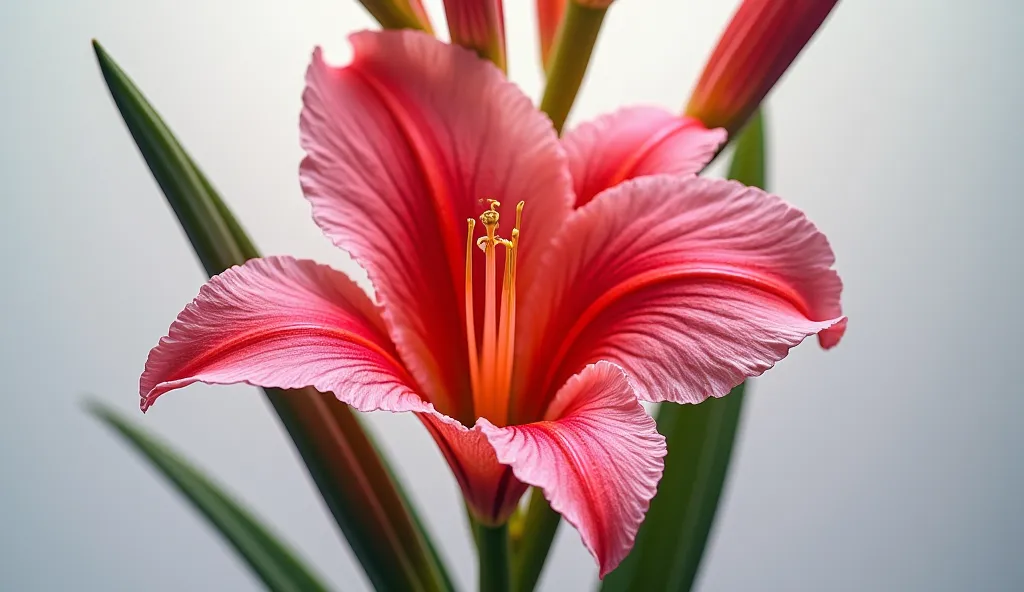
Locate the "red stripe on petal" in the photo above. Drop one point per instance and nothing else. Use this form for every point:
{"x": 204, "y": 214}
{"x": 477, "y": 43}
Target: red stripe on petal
{"x": 282, "y": 323}
{"x": 400, "y": 147}
{"x": 689, "y": 284}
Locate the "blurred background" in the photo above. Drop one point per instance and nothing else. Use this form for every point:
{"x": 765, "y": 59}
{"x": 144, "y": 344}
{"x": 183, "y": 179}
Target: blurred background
{"x": 889, "y": 463}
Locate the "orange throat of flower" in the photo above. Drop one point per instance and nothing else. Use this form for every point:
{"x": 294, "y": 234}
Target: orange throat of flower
{"x": 490, "y": 367}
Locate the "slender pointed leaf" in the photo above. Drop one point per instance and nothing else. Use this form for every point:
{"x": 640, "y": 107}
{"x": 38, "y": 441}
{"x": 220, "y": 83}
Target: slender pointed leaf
{"x": 353, "y": 478}
{"x": 272, "y": 561}
{"x": 671, "y": 542}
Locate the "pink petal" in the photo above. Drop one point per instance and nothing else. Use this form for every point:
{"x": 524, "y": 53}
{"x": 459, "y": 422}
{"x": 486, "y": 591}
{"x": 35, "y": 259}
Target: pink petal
{"x": 489, "y": 488}
{"x": 400, "y": 147}
{"x": 634, "y": 142}
{"x": 598, "y": 458}
{"x": 284, "y": 323}
{"x": 690, "y": 284}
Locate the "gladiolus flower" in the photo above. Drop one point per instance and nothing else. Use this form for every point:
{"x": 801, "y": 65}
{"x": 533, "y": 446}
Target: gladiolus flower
{"x": 531, "y": 293}
{"x": 760, "y": 42}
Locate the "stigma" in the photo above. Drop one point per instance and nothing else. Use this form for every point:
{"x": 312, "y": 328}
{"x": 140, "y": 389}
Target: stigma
{"x": 490, "y": 363}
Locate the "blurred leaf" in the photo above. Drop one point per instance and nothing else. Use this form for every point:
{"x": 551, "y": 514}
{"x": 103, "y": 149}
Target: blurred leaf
{"x": 274, "y": 563}
{"x": 354, "y": 480}
{"x": 531, "y": 547}
{"x": 672, "y": 540}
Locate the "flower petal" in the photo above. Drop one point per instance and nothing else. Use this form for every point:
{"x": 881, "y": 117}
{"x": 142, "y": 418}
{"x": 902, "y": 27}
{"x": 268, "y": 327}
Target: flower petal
{"x": 635, "y": 142}
{"x": 400, "y": 147}
{"x": 598, "y": 459}
{"x": 489, "y": 488}
{"x": 283, "y": 323}
{"x": 690, "y": 284}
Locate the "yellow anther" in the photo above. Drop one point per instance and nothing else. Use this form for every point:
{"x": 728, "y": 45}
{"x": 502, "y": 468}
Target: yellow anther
{"x": 489, "y": 218}
{"x": 491, "y": 363}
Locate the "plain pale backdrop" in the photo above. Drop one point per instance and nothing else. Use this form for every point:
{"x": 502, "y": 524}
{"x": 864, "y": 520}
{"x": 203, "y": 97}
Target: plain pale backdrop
{"x": 890, "y": 463}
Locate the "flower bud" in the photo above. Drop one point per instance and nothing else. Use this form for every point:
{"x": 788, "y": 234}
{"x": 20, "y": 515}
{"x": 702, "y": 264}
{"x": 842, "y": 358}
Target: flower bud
{"x": 478, "y": 25}
{"x": 758, "y": 45}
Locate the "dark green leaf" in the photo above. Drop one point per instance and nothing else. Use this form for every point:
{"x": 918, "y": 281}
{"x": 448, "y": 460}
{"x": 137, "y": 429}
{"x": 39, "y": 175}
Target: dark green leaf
{"x": 187, "y": 190}
{"x": 351, "y": 475}
{"x": 272, "y": 560}
{"x": 671, "y": 541}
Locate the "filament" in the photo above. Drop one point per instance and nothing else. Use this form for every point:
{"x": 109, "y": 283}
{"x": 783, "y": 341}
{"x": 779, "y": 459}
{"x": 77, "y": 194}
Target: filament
{"x": 491, "y": 371}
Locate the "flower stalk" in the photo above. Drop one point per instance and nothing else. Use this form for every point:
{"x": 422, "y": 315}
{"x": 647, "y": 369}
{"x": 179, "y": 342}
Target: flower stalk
{"x": 573, "y": 46}
{"x": 492, "y": 544}
{"x": 399, "y": 14}
{"x": 549, "y": 15}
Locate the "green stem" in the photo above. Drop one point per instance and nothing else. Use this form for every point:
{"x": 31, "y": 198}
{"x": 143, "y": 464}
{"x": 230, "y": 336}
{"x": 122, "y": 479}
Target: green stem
{"x": 492, "y": 545}
{"x": 397, "y": 14}
{"x": 538, "y": 534}
{"x": 574, "y": 43}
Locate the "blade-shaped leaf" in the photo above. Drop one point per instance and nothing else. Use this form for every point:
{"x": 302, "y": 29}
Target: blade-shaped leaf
{"x": 271, "y": 560}
{"x": 671, "y": 541}
{"x": 352, "y": 477}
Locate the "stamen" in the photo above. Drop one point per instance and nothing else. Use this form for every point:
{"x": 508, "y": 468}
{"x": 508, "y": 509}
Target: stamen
{"x": 474, "y": 362}
{"x": 491, "y": 373}
{"x": 507, "y": 336}
{"x": 490, "y": 221}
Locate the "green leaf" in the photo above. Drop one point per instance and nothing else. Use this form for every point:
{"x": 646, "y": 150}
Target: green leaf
{"x": 671, "y": 541}
{"x": 187, "y": 190}
{"x": 531, "y": 547}
{"x": 272, "y": 560}
{"x": 353, "y": 478}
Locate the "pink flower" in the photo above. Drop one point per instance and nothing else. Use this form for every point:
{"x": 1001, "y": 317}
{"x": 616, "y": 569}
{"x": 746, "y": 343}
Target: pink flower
{"x": 624, "y": 277}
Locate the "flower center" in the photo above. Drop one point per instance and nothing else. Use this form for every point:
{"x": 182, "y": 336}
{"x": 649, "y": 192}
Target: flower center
{"x": 490, "y": 369}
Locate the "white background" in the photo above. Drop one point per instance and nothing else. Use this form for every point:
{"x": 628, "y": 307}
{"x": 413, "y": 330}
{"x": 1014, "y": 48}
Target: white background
{"x": 890, "y": 463}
